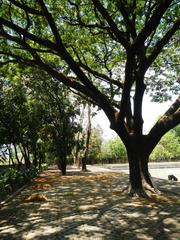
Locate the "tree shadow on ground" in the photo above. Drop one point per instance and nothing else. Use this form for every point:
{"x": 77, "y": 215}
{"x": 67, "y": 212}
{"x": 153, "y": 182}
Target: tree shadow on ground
{"x": 168, "y": 186}
{"x": 88, "y": 206}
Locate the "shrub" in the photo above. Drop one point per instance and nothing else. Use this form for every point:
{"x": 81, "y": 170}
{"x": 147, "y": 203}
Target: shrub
{"x": 11, "y": 179}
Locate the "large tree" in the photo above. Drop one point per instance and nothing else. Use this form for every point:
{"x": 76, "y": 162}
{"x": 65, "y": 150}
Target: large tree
{"x": 102, "y": 50}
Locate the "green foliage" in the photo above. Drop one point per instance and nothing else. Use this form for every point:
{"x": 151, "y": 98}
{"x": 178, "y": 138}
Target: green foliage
{"x": 113, "y": 151}
{"x": 44, "y": 166}
{"x": 36, "y": 116}
{"x": 11, "y": 179}
{"x": 177, "y": 132}
{"x": 95, "y": 145}
{"x": 168, "y": 148}
{"x": 90, "y": 40}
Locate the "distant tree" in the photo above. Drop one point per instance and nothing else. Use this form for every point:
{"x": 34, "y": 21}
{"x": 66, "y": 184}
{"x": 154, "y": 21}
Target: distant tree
{"x": 103, "y": 50}
{"x": 20, "y": 121}
{"x": 168, "y": 148}
{"x": 95, "y": 144}
{"x": 83, "y": 136}
{"x": 114, "y": 151}
{"x": 177, "y": 132}
{"x": 60, "y": 112}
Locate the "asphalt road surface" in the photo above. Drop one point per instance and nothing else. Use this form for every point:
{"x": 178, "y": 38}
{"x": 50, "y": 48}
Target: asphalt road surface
{"x": 158, "y": 170}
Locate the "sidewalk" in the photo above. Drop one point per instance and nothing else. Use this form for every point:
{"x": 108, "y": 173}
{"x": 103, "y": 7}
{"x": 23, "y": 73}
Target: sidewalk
{"x": 87, "y": 206}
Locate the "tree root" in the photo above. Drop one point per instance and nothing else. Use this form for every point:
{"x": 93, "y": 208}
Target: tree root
{"x": 138, "y": 193}
{"x": 153, "y": 190}
{"x": 144, "y": 192}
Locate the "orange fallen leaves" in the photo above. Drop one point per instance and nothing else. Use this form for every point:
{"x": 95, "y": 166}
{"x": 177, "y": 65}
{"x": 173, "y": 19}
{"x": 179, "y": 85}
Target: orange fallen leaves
{"x": 164, "y": 199}
{"x": 36, "y": 197}
{"x": 70, "y": 179}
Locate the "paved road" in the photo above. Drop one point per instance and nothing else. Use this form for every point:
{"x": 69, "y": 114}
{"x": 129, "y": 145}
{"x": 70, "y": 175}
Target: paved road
{"x": 157, "y": 170}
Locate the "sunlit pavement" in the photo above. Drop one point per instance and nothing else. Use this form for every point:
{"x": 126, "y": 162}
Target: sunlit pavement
{"x": 157, "y": 170}
{"x": 90, "y": 206}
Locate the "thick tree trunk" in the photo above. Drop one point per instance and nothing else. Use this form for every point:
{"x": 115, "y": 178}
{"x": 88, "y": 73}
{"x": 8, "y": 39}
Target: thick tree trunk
{"x": 140, "y": 180}
{"x": 147, "y": 180}
{"x": 135, "y": 177}
{"x": 63, "y": 168}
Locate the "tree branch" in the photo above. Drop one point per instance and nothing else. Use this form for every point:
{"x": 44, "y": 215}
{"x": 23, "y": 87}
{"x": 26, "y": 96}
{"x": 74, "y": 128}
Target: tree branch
{"x": 119, "y": 34}
{"x": 51, "y": 22}
{"x": 27, "y": 34}
{"x": 93, "y": 91}
{"x": 89, "y": 89}
{"x": 169, "y": 120}
{"x": 130, "y": 25}
{"x": 26, "y": 8}
{"x": 101, "y": 75}
{"x": 153, "y": 22}
{"x": 127, "y": 87}
{"x": 161, "y": 43}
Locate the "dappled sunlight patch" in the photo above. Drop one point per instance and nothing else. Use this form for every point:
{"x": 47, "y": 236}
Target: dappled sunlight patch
{"x": 44, "y": 186}
{"x": 44, "y": 231}
{"x": 118, "y": 192}
{"x": 87, "y": 207}
{"x": 10, "y": 229}
{"x": 171, "y": 221}
{"x": 153, "y": 200}
{"x": 164, "y": 199}
{"x": 55, "y": 178}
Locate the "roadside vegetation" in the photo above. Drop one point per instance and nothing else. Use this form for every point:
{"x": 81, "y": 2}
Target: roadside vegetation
{"x": 12, "y": 179}
{"x": 168, "y": 149}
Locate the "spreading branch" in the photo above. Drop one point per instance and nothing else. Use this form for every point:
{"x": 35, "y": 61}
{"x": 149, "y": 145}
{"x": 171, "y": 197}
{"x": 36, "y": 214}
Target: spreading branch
{"x": 121, "y": 36}
{"x": 26, "y": 8}
{"x": 21, "y": 31}
{"x": 153, "y": 22}
{"x": 130, "y": 24}
{"x": 161, "y": 43}
{"x": 169, "y": 120}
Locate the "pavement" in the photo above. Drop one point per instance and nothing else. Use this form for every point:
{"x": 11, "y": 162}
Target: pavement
{"x": 156, "y": 169}
{"x": 90, "y": 205}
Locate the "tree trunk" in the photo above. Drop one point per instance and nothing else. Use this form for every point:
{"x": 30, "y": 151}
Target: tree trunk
{"x": 34, "y": 150}
{"x": 62, "y": 165}
{"x": 25, "y": 154}
{"x": 88, "y": 135}
{"x": 63, "y": 168}
{"x": 84, "y": 168}
{"x": 139, "y": 177}
{"x": 135, "y": 177}
{"x": 17, "y": 157}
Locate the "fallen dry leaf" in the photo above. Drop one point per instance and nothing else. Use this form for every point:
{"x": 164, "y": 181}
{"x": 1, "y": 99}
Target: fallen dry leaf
{"x": 36, "y": 197}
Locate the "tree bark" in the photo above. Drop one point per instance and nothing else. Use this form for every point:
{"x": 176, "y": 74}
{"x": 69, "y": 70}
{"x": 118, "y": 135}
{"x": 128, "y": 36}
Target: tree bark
{"x": 62, "y": 165}
{"x": 139, "y": 176}
{"x": 88, "y": 135}
{"x": 25, "y": 154}
{"x": 136, "y": 186}
{"x": 34, "y": 149}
